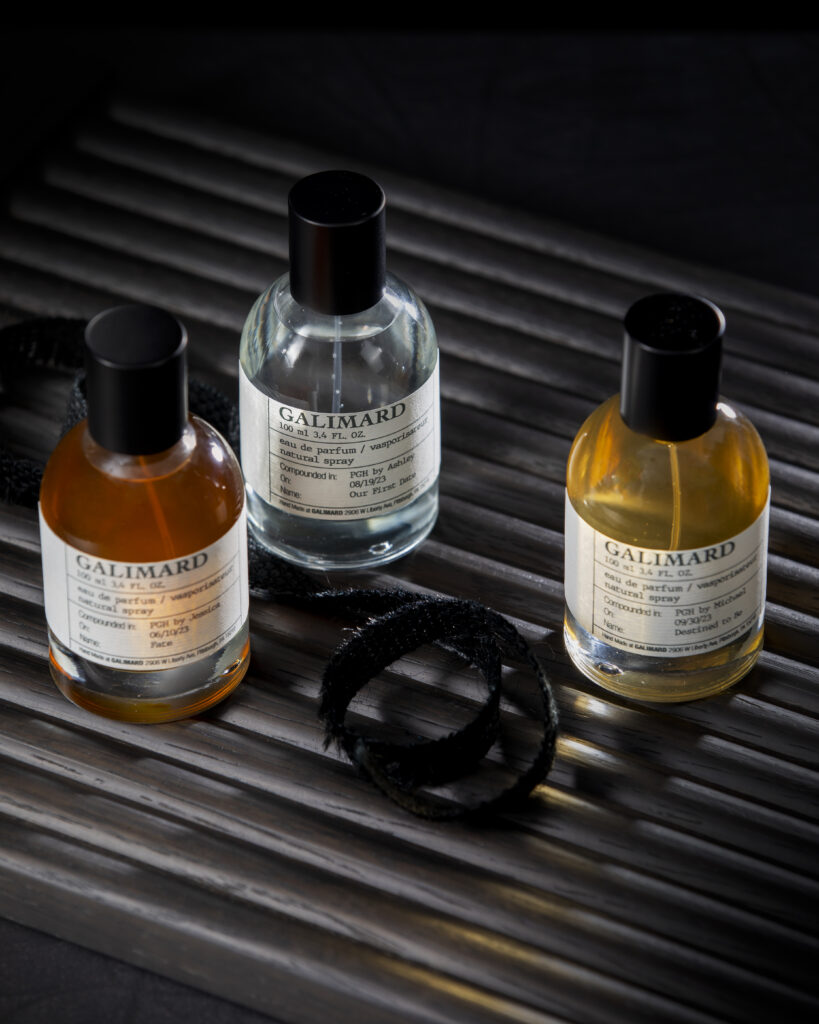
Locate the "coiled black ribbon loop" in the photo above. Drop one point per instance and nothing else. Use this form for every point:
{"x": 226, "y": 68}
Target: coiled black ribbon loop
{"x": 481, "y": 637}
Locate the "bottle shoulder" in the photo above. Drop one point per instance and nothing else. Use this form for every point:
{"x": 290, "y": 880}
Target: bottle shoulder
{"x": 631, "y": 485}
{"x": 371, "y": 358}
{"x": 276, "y": 307}
{"x": 605, "y": 432}
{"x": 134, "y": 508}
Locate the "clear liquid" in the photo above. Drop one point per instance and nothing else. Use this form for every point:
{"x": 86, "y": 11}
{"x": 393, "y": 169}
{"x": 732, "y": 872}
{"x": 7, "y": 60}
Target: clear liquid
{"x": 323, "y": 544}
{"x": 343, "y": 364}
{"x": 653, "y": 494}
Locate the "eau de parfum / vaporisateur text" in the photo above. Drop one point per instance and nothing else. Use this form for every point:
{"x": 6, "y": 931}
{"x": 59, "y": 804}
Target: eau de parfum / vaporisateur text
{"x": 667, "y": 498}
{"x": 339, "y": 394}
{"x": 144, "y": 536}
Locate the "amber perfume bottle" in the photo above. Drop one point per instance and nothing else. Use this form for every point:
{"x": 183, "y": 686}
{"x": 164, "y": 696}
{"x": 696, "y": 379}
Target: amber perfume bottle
{"x": 143, "y": 532}
{"x": 667, "y": 497}
{"x": 338, "y": 388}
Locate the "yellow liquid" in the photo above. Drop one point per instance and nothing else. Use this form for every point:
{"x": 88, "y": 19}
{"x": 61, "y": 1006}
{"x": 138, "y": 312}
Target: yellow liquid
{"x": 655, "y": 494}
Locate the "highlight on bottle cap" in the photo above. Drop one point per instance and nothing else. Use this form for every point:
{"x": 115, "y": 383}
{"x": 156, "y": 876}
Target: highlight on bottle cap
{"x": 337, "y": 242}
{"x": 672, "y": 356}
{"x": 136, "y": 379}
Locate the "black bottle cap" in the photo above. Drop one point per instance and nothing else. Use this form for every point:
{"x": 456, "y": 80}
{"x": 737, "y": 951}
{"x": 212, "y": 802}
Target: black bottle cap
{"x": 136, "y": 379}
{"x": 337, "y": 242}
{"x": 671, "y": 366}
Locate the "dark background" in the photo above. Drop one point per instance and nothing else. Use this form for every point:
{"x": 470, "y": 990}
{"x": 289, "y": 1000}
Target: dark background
{"x": 701, "y": 145}
{"x": 704, "y": 145}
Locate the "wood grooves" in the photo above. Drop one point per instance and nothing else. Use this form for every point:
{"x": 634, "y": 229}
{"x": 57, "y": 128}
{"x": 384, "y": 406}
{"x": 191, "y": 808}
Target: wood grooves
{"x": 666, "y": 871}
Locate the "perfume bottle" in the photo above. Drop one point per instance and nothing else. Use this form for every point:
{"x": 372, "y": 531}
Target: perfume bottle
{"x": 144, "y": 536}
{"x": 338, "y": 387}
{"x": 667, "y": 498}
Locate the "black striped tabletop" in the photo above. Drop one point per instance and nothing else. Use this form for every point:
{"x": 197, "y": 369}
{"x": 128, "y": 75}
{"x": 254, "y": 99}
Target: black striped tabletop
{"x": 666, "y": 871}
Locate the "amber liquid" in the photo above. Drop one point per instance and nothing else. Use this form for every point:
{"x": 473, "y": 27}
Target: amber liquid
{"x": 148, "y": 508}
{"x": 655, "y": 494}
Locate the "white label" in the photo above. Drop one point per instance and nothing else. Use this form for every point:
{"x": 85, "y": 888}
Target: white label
{"x": 146, "y": 615}
{"x": 662, "y": 602}
{"x": 347, "y": 465}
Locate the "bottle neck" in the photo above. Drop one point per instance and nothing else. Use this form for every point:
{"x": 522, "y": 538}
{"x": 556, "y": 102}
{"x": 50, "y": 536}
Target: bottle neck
{"x": 140, "y": 468}
{"x": 310, "y": 323}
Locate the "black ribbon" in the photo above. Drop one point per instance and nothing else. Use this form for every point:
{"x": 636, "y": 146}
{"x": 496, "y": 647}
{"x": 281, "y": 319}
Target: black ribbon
{"x": 390, "y": 624}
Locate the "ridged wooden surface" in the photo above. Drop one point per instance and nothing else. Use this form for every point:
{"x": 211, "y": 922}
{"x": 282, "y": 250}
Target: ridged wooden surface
{"x": 665, "y": 872}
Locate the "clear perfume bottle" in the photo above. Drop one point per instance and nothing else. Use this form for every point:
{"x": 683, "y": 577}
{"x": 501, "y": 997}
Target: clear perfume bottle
{"x": 339, "y": 394}
{"x": 667, "y": 497}
{"x": 144, "y": 535}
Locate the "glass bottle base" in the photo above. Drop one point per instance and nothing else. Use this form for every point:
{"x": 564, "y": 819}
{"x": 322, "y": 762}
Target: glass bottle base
{"x": 354, "y": 544}
{"x": 660, "y": 679}
{"x": 150, "y": 697}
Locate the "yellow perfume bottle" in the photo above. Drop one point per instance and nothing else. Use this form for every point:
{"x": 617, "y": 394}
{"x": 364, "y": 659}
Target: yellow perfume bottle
{"x": 667, "y": 498}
